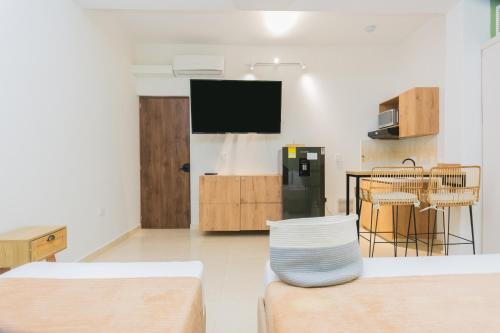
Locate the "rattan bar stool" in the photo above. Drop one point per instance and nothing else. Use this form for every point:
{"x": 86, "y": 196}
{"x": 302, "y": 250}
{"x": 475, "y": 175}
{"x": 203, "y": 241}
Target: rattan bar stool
{"x": 393, "y": 186}
{"x": 453, "y": 186}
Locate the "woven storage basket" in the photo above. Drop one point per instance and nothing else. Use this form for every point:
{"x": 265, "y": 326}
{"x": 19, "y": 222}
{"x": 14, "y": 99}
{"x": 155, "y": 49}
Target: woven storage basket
{"x": 315, "y": 252}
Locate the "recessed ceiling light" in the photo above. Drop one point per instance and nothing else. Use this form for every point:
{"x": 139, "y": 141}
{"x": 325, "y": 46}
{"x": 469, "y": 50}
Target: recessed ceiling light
{"x": 370, "y": 28}
{"x": 252, "y": 67}
{"x": 279, "y": 23}
{"x": 276, "y": 61}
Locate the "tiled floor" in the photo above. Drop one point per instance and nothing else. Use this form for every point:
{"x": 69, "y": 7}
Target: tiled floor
{"x": 234, "y": 268}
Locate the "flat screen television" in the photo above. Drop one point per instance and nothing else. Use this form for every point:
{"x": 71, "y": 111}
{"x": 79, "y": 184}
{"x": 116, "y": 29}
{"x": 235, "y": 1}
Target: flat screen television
{"x": 235, "y": 106}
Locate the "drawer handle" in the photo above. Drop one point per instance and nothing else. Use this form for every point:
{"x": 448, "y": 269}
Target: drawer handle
{"x": 51, "y": 238}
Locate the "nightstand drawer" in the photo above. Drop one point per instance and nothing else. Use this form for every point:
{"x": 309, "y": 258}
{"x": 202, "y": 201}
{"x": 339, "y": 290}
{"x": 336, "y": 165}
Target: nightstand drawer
{"x": 47, "y": 245}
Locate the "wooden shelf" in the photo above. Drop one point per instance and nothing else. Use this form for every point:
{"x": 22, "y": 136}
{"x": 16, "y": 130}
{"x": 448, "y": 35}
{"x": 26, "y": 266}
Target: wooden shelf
{"x": 393, "y": 103}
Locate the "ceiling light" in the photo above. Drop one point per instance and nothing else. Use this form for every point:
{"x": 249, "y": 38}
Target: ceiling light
{"x": 252, "y": 67}
{"x": 303, "y": 66}
{"x": 276, "y": 61}
{"x": 370, "y": 28}
{"x": 279, "y": 23}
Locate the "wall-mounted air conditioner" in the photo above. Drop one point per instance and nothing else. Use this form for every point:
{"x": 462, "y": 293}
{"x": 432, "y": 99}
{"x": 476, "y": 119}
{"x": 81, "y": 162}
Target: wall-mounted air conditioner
{"x": 198, "y": 66}
{"x": 152, "y": 70}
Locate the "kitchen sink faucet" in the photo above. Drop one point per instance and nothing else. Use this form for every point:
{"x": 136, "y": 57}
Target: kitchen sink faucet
{"x": 409, "y": 159}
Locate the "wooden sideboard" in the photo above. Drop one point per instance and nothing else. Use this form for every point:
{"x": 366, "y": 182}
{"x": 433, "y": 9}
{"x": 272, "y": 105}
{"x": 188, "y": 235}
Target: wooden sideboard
{"x": 234, "y": 203}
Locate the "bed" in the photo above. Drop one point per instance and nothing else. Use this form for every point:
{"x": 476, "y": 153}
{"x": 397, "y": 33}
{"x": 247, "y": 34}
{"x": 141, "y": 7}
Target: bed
{"x": 103, "y": 297}
{"x": 413, "y": 294}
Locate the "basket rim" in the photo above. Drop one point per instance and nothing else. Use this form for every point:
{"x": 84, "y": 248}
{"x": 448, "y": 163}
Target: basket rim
{"x": 337, "y": 219}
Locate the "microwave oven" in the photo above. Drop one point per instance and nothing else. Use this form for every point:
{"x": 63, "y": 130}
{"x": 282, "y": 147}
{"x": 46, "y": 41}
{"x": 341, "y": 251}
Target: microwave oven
{"x": 389, "y": 118}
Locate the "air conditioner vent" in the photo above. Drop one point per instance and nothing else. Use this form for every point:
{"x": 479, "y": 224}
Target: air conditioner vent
{"x": 198, "y": 66}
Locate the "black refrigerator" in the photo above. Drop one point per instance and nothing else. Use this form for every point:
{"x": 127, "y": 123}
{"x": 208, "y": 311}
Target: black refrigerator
{"x": 303, "y": 182}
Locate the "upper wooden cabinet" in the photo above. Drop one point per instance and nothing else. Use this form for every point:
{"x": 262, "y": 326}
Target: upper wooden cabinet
{"x": 418, "y": 111}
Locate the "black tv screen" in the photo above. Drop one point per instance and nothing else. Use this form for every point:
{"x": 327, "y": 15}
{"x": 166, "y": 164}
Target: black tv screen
{"x": 233, "y": 106}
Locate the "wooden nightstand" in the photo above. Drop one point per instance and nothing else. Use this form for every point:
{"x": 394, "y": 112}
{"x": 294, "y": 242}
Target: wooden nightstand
{"x": 24, "y": 245}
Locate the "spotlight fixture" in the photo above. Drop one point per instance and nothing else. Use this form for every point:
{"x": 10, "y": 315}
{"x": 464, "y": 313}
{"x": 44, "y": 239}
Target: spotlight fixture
{"x": 276, "y": 63}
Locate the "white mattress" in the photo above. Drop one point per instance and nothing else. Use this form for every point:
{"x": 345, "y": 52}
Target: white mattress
{"x": 419, "y": 266}
{"x": 105, "y": 270}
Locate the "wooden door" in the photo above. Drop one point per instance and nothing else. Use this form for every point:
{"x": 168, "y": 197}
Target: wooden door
{"x": 164, "y": 133}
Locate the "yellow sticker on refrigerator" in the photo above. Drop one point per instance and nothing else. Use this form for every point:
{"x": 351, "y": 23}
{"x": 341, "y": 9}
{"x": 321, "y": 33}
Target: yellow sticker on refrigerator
{"x": 292, "y": 152}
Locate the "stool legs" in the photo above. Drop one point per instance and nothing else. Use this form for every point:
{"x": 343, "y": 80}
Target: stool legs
{"x": 428, "y": 231}
{"x": 472, "y": 230}
{"x": 395, "y": 230}
{"x": 408, "y": 234}
{"x": 446, "y": 233}
{"x": 444, "y": 236}
{"x": 370, "y": 232}
{"x": 395, "y": 217}
{"x": 415, "y": 230}
{"x": 412, "y": 213}
{"x": 433, "y": 231}
{"x": 375, "y": 233}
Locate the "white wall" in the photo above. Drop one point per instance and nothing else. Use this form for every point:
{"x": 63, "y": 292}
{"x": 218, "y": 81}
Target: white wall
{"x": 422, "y": 57}
{"x": 491, "y": 137}
{"x": 333, "y": 104}
{"x": 68, "y": 124}
{"x": 420, "y": 62}
{"x": 467, "y": 29}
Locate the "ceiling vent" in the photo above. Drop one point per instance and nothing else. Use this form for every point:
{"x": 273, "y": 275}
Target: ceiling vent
{"x": 198, "y": 66}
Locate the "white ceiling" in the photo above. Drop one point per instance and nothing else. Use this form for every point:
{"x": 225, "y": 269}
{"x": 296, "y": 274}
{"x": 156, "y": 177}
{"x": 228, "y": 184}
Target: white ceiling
{"x": 360, "y": 6}
{"x": 317, "y": 22}
{"x": 255, "y": 27}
